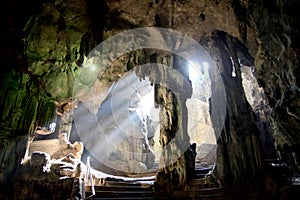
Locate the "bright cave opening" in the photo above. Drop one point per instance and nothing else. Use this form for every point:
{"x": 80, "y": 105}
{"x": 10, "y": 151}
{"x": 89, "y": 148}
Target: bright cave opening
{"x": 118, "y": 122}
{"x": 129, "y": 120}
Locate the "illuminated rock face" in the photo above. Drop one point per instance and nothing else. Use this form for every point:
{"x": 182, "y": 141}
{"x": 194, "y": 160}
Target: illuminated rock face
{"x": 44, "y": 177}
{"x": 173, "y": 119}
{"x": 44, "y": 48}
{"x": 57, "y": 148}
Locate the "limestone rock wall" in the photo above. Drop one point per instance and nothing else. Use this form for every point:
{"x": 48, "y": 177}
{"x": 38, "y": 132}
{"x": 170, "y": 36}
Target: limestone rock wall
{"x": 277, "y": 66}
{"x": 239, "y": 153}
{"x": 45, "y": 43}
{"x": 40, "y": 175}
{"x": 42, "y": 178}
{"x": 260, "y": 106}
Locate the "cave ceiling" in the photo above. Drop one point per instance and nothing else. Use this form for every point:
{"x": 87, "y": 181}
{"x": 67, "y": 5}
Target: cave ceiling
{"x": 60, "y": 37}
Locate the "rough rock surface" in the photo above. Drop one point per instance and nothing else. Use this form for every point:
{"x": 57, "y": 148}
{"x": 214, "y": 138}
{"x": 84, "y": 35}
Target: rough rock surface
{"x": 45, "y": 44}
{"x": 38, "y": 178}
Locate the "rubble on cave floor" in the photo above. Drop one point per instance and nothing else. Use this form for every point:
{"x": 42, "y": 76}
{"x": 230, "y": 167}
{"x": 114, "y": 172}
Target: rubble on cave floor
{"x": 51, "y": 170}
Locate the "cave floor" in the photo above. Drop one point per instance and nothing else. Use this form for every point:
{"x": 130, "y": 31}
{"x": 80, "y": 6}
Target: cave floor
{"x": 142, "y": 186}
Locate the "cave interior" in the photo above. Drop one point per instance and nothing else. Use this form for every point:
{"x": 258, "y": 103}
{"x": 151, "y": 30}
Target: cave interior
{"x": 153, "y": 99}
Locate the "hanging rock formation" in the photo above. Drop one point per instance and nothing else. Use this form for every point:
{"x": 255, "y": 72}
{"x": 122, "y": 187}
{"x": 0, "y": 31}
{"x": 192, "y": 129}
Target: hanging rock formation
{"x": 239, "y": 138}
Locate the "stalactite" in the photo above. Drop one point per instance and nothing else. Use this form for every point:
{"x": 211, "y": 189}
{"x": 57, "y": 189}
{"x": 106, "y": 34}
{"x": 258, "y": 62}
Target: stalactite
{"x": 239, "y": 140}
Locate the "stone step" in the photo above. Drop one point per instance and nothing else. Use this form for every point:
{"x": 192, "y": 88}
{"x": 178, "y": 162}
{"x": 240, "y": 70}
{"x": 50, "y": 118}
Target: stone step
{"x": 120, "y": 198}
{"x": 202, "y": 183}
{"x": 198, "y": 173}
{"x": 204, "y": 186}
{"x": 215, "y": 190}
{"x": 128, "y": 183}
{"x": 199, "y": 176}
{"x": 199, "y": 169}
{"x": 130, "y": 179}
{"x": 196, "y": 183}
{"x": 202, "y": 197}
{"x": 117, "y": 194}
{"x": 203, "y": 193}
{"x": 199, "y": 181}
{"x": 202, "y": 170}
{"x": 182, "y": 197}
{"x": 119, "y": 188}
{"x": 145, "y": 174}
{"x": 140, "y": 186}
